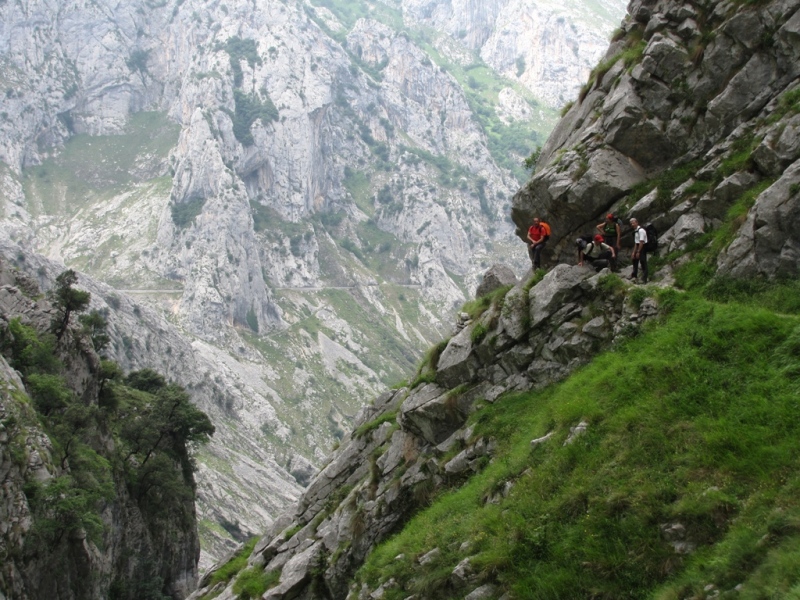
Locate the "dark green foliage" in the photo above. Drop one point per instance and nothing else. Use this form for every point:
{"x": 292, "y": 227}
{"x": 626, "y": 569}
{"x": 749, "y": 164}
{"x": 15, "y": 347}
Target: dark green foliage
{"x": 109, "y": 372}
{"x": 385, "y": 195}
{"x": 262, "y": 216}
{"x": 253, "y": 582}
{"x": 138, "y": 61}
{"x": 252, "y": 320}
{"x": 478, "y": 332}
{"x": 231, "y": 568}
{"x": 249, "y": 108}
{"x": 520, "y": 65}
{"x": 480, "y": 190}
{"x": 475, "y": 308}
{"x": 146, "y": 380}
{"x": 136, "y": 435}
{"x": 67, "y": 300}
{"x": 371, "y": 426}
{"x": 330, "y": 218}
{"x": 48, "y": 392}
{"x": 156, "y": 426}
{"x": 95, "y": 325}
{"x": 66, "y": 505}
{"x": 184, "y": 213}
{"x": 238, "y": 50}
{"x": 350, "y": 246}
{"x": 530, "y": 162}
{"x": 29, "y": 352}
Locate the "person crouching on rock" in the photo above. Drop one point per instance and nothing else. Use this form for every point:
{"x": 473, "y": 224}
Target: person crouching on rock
{"x": 538, "y": 234}
{"x": 597, "y": 250}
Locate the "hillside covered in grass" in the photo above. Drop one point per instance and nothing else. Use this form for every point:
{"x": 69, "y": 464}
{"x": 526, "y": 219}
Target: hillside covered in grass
{"x": 685, "y": 476}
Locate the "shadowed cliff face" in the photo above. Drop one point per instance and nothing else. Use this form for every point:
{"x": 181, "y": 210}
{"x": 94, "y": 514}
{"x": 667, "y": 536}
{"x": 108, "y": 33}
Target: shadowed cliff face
{"x": 74, "y": 527}
{"x": 693, "y": 106}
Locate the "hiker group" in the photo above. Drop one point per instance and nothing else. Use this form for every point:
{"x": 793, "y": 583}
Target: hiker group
{"x": 601, "y": 249}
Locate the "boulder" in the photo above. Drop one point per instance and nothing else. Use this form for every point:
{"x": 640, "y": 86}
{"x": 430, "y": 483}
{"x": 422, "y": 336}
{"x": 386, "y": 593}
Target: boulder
{"x": 558, "y": 287}
{"x": 514, "y": 314}
{"x": 597, "y": 328}
{"x": 301, "y": 469}
{"x": 462, "y": 573}
{"x": 295, "y": 573}
{"x": 688, "y": 227}
{"x": 485, "y": 592}
{"x": 456, "y": 364}
{"x": 780, "y": 147}
{"x": 496, "y": 277}
{"x": 768, "y": 242}
{"x": 431, "y": 413}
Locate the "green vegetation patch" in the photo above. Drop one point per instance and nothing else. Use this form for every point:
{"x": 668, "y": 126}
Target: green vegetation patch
{"x": 370, "y": 426}
{"x": 90, "y": 169}
{"x": 137, "y": 434}
{"x": 235, "y": 565}
{"x": 695, "y": 422}
{"x": 249, "y": 109}
{"x": 184, "y": 213}
{"x": 253, "y": 582}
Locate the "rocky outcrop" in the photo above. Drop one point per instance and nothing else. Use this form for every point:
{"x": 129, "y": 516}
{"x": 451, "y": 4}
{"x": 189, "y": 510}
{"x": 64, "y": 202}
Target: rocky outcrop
{"x": 496, "y": 277}
{"x": 128, "y": 548}
{"x": 413, "y": 441}
{"x": 697, "y": 104}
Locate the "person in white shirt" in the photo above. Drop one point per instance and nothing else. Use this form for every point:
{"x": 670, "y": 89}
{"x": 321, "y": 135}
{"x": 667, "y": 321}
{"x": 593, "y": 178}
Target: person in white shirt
{"x": 639, "y": 254}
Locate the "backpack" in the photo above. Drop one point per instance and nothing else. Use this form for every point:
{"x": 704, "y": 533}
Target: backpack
{"x": 652, "y": 238}
{"x": 546, "y": 228}
{"x": 584, "y": 241}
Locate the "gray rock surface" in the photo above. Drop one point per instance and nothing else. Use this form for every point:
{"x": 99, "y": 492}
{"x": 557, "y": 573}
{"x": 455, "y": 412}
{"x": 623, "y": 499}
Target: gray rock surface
{"x": 496, "y": 277}
{"x": 126, "y": 153}
{"x": 670, "y": 109}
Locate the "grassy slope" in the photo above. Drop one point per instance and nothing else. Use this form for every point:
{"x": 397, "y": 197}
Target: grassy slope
{"x": 695, "y": 421}
{"x": 93, "y": 169}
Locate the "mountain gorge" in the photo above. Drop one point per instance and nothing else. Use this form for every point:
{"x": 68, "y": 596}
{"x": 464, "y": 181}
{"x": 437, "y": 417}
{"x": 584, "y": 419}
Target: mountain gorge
{"x": 583, "y": 435}
{"x": 287, "y": 200}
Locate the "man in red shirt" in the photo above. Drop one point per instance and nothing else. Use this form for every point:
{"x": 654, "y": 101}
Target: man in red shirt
{"x": 538, "y": 233}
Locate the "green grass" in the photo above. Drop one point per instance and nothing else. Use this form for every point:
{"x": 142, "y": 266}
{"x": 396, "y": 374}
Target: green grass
{"x": 370, "y": 426}
{"x": 359, "y": 185}
{"x": 236, "y": 564}
{"x": 695, "y": 421}
{"x": 475, "y": 308}
{"x": 253, "y": 582}
{"x": 93, "y": 168}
